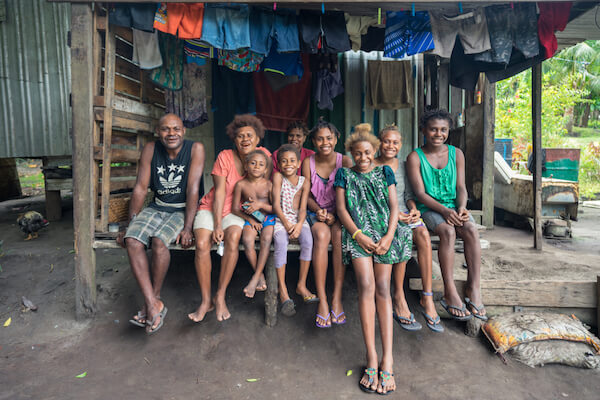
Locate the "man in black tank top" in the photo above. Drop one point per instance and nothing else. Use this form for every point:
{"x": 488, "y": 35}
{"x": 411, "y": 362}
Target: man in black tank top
{"x": 172, "y": 168}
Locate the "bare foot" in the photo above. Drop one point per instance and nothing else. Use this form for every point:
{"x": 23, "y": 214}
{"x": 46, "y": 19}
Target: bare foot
{"x": 222, "y": 310}
{"x": 262, "y": 284}
{"x": 201, "y": 312}
{"x": 401, "y": 307}
{"x": 251, "y": 288}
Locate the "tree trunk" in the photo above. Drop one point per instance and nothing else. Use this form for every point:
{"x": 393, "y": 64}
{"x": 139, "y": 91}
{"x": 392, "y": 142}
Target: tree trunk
{"x": 570, "y": 121}
{"x": 585, "y": 118}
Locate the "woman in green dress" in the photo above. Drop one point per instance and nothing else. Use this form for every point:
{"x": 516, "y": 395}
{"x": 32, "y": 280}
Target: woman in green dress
{"x": 372, "y": 240}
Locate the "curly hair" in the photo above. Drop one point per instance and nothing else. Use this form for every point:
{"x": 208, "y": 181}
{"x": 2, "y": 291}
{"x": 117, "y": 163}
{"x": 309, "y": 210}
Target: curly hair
{"x": 322, "y": 124}
{"x": 362, "y": 133}
{"x": 240, "y": 121}
{"x": 297, "y": 125}
{"x": 288, "y": 148}
{"x": 258, "y": 153}
{"x": 435, "y": 114}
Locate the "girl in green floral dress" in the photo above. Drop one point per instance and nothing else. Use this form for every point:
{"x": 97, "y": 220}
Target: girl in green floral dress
{"x": 372, "y": 239}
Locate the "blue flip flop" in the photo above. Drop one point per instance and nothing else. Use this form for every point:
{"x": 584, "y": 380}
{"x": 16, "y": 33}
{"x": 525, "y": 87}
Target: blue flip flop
{"x": 463, "y": 309}
{"x": 478, "y": 309}
{"x": 409, "y": 324}
{"x": 325, "y": 325}
{"x": 149, "y": 323}
{"x": 433, "y": 323}
{"x": 337, "y": 318}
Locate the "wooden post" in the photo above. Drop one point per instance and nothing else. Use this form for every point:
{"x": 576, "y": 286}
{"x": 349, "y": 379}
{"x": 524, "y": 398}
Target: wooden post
{"x": 489, "y": 117}
{"x": 53, "y": 199}
{"x": 271, "y": 293}
{"x": 109, "y": 89}
{"x": 598, "y": 305}
{"x": 443, "y": 85}
{"x": 536, "y": 117}
{"x": 83, "y": 158}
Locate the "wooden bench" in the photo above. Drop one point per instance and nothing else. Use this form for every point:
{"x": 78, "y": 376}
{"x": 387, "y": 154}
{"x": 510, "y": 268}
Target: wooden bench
{"x": 107, "y": 241}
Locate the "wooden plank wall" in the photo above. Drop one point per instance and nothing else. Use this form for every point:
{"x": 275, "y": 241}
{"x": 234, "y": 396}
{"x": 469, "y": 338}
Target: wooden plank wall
{"x": 126, "y": 109}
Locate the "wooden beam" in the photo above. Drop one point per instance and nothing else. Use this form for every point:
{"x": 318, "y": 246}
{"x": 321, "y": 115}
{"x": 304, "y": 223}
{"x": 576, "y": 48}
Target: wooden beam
{"x": 109, "y": 90}
{"x": 489, "y": 117}
{"x": 82, "y": 87}
{"x": 118, "y": 155}
{"x": 527, "y": 293}
{"x": 443, "y": 85}
{"x": 536, "y": 116}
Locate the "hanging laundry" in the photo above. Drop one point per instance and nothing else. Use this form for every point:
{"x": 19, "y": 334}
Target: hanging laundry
{"x": 242, "y": 60}
{"x": 268, "y": 27}
{"x": 277, "y": 81}
{"x": 146, "y": 52}
{"x": 138, "y": 16}
{"x": 389, "y": 84}
{"x": 373, "y": 39}
{"x": 277, "y": 109}
{"x": 226, "y": 26}
{"x": 170, "y": 74}
{"x": 471, "y": 28}
{"x": 326, "y": 32}
{"x": 321, "y": 61}
{"x": 197, "y": 51}
{"x": 232, "y": 91}
{"x": 356, "y": 27}
{"x": 511, "y": 26}
{"x": 189, "y": 103}
{"x": 406, "y": 34}
{"x": 553, "y": 17}
{"x": 328, "y": 85}
{"x": 286, "y": 64}
{"x": 183, "y": 20}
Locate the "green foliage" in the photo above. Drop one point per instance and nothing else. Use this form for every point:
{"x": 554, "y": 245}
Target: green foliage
{"x": 513, "y": 111}
{"x": 589, "y": 165}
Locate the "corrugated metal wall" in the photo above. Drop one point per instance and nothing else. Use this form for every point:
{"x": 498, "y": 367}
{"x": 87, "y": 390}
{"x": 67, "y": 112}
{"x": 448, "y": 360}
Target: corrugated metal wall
{"x": 356, "y": 111}
{"x": 35, "y": 79}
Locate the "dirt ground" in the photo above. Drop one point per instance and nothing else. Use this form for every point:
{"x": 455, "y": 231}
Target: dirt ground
{"x": 42, "y": 352}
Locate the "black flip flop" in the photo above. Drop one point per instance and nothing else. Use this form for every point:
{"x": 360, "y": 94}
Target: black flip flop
{"x": 370, "y": 373}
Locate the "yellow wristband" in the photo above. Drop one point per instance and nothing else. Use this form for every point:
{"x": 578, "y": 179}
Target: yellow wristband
{"x": 356, "y": 233}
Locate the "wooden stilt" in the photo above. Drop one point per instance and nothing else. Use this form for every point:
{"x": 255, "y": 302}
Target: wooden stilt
{"x": 536, "y": 116}
{"x": 489, "y": 117}
{"x": 83, "y": 158}
{"x": 271, "y": 293}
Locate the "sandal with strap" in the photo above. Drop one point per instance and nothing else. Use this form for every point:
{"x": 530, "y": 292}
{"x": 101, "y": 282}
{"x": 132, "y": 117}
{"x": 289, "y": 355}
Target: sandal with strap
{"x": 327, "y": 323}
{"x": 434, "y": 324}
{"x": 138, "y": 322}
{"x": 476, "y": 308}
{"x": 410, "y": 324}
{"x": 371, "y": 373}
{"x": 384, "y": 377}
{"x": 462, "y": 309}
{"x": 337, "y": 318}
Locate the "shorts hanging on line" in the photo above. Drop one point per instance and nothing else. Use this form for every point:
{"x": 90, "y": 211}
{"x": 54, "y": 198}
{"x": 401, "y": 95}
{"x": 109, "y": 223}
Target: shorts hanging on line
{"x": 273, "y": 27}
{"x": 226, "y": 27}
{"x": 471, "y": 28}
{"x": 181, "y": 20}
{"x": 138, "y": 16}
{"x": 510, "y": 27}
{"x": 242, "y": 60}
{"x": 406, "y": 34}
{"x": 332, "y": 25}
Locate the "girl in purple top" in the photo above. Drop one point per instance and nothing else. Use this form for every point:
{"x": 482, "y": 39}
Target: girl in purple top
{"x": 320, "y": 169}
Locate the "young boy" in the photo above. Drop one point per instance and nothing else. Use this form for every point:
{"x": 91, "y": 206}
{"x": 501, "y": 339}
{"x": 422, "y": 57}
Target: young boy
{"x": 252, "y": 202}
{"x": 290, "y": 195}
{"x": 437, "y": 174}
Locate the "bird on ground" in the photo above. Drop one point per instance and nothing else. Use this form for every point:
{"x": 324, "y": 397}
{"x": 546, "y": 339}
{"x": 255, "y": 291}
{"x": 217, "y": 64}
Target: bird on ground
{"x": 31, "y": 222}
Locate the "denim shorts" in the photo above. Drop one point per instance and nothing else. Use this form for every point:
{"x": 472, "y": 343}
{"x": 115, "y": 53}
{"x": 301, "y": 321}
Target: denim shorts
{"x": 432, "y": 219}
{"x": 268, "y": 27}
{"x": 226, "y": 27}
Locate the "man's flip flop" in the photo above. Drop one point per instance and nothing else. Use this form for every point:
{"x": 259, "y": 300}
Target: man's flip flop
{"x": 433, "y": 323}
{"x": 288, "y": 308}
{"x": 310, "y": 299}
{"x": 137, "y": 322}
{"x": 409, "y": 324}
{"x": 463, "y": 309}
{"x": 478, "y": 309}
{"x": 149, "y": 324}
{"x": 337, "y": 318}
{"x": 326, "y": 324}
{"x": 371, "y": 373}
